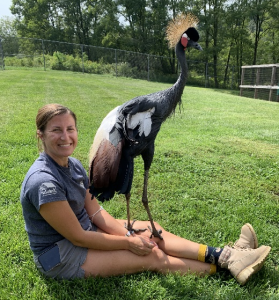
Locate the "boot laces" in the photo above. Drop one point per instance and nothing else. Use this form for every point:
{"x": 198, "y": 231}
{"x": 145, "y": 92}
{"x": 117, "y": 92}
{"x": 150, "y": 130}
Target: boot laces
{"x": 236, "y": 247}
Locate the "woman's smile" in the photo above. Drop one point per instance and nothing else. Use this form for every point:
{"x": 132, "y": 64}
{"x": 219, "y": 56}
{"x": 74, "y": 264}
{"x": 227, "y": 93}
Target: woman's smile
{"x": 60, "y": 138}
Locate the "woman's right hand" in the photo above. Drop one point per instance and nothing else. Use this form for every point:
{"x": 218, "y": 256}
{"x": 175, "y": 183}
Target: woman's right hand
{"x": 141, "y": 245}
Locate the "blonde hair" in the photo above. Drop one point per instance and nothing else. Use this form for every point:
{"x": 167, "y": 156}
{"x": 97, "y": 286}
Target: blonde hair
{"x": 46, "y": 113}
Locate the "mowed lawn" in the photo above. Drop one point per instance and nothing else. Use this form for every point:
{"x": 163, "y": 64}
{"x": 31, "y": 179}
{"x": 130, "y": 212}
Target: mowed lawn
{"x": 215, "y": 168}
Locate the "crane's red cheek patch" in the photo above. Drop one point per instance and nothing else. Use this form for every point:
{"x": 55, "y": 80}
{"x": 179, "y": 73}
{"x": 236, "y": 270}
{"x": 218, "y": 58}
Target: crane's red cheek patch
{"x": 184, "y": 41}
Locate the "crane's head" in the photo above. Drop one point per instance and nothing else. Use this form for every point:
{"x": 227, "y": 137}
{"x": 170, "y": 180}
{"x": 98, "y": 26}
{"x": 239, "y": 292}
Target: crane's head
{"x": 182, "y": 30}
{"x": 190, "y": 39}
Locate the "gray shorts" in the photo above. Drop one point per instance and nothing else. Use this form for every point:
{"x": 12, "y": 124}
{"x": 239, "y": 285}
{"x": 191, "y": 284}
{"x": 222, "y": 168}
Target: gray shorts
{"x": 71, "y": 260}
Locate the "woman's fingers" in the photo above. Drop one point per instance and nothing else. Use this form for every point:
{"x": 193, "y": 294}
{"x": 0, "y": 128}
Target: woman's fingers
{"x": 141, "y": 245}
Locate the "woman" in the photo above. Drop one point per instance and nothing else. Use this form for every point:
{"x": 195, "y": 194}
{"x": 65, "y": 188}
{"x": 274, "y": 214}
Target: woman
{"x": 71, "y": 236}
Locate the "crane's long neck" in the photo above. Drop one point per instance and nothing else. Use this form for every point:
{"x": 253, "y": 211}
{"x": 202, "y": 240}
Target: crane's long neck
{"x": 176, "y": 91}
{"x": 181, "y": 81}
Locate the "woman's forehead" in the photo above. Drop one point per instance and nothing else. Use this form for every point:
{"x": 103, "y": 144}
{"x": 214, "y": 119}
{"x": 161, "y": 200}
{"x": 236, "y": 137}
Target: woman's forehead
{"x": 61, "y": 120}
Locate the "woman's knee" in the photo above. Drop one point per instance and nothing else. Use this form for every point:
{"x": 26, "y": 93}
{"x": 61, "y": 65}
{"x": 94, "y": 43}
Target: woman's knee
{"x": 159, "y": 259}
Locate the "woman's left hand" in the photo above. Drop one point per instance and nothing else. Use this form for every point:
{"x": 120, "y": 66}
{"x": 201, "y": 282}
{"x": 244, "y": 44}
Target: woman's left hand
{"x": 141, "y": 245}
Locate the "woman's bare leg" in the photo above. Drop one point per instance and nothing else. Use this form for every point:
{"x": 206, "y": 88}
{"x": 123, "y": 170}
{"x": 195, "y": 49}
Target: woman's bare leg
{"x": 171, "y": 244}
{"x": 111, "y": 263}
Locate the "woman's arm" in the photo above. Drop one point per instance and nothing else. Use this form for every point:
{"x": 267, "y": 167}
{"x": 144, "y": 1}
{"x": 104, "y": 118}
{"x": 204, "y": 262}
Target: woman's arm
{"x": 61, "y": 217}
{"x": 103, "y": 219}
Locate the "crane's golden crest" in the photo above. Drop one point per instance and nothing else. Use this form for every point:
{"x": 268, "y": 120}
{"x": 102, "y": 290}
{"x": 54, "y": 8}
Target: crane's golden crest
{"x": 178, "y": 26}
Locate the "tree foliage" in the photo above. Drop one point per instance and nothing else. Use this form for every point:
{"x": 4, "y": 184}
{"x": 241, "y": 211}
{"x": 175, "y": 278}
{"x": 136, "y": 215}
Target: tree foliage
{"x": 236, "y": 32}
{"x": 7, "y": 27}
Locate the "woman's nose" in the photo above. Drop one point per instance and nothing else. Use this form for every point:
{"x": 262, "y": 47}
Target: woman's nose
{"x": 64, "y": 135}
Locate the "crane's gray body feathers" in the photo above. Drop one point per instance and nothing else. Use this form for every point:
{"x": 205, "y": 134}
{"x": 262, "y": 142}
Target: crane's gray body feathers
{"x": 130, "y": 130}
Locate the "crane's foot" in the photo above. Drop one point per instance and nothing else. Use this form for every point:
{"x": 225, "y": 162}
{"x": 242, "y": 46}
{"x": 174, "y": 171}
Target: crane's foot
{"x": 155, "y": 233}
{"x": 131, "y": 229}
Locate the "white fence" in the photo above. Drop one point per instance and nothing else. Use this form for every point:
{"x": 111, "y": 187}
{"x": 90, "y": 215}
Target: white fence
{"x": 260, "y": 82}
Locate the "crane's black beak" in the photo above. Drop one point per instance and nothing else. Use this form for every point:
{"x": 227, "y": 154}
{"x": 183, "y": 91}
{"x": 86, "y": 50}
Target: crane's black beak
{"x": 198, "y": 47}
{"x": 194, "y": 45}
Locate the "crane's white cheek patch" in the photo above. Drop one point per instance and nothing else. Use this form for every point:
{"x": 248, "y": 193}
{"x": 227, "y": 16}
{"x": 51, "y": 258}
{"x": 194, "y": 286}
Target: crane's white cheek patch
{"x": 47, "y": 188}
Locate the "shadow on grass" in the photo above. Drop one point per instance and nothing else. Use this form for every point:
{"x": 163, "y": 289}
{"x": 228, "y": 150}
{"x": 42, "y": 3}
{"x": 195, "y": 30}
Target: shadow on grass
{"x": 149, "y": 285}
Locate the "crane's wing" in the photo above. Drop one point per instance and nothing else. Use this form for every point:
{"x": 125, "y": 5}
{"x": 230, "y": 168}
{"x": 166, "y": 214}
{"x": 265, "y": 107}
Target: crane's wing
{"x": 138, "y": 117}
{"x": 123, "y": 134}
{"x": 142, "y": 120}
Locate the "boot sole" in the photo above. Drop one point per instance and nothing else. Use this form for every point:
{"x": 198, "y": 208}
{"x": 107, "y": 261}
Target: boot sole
{"x": 253, "y": 234}
{"x": 245, "y": 274}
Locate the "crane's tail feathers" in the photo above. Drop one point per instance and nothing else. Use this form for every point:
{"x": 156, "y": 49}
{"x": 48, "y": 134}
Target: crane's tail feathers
{"x": 110, "y": 171}
{"x": 104, "y": 167}
{"x": 178, "y": 26}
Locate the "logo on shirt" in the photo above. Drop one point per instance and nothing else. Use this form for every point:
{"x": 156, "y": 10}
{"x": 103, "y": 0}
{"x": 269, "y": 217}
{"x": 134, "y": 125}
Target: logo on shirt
{"x": 48, "y": 188}
{"x": 81, "y": 184}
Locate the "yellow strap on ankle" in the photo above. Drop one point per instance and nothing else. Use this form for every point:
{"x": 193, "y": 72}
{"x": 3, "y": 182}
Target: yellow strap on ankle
{"x": 201, "y": 253}
{"x": 213, "y": 269}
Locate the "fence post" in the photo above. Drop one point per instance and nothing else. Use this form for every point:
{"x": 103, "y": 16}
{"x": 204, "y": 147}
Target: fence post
{"x": 257, "y": 83}
{"x": 82, "y": 58}
{"x": 242, "y": 80}
{"x": 206, "y": 75}
{"x": 147, "y": 67}
{"x": 115, "y": 58}
{"x": 232, "y": 77}
{"x": 2, "y": 54}
{"x": 272, "y": 82}
{"x": 43, "y": 47}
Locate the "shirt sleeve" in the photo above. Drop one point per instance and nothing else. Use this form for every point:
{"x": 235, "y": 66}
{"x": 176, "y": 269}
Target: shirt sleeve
{"x": 80, "y": 169}
{"x": 42, "y": 187}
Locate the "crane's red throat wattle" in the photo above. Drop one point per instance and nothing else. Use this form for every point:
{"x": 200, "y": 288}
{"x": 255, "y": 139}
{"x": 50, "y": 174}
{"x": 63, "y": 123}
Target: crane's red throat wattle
{"x": 184, "y": 41}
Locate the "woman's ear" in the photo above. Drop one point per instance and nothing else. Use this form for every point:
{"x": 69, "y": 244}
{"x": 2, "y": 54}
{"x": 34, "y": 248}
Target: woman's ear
{"x": 39, "y": 134}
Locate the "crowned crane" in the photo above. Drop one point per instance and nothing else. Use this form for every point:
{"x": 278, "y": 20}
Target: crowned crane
{"x": 130, "y": 130}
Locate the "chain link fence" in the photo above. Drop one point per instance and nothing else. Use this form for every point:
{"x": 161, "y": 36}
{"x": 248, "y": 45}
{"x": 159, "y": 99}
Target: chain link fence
{"x": 55, "y": 55}
{"x": 2, "y": 66}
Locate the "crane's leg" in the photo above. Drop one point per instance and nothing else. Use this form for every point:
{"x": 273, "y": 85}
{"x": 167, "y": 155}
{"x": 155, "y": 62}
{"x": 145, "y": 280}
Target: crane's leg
{"x": 129, "y": 226}
{"x": 154, "y": 231}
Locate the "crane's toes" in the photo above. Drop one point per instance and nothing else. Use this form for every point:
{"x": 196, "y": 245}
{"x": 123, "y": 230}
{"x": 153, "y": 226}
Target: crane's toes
{"x": 155, "y": 233}
{"x": 131, "y": 229}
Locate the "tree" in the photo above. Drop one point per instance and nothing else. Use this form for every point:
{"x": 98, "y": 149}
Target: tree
{"x": 236, "y": 35}
{"x": 259, "y": 15}
{"x": 272, "y": 37}
{"x": 7, "y": 27}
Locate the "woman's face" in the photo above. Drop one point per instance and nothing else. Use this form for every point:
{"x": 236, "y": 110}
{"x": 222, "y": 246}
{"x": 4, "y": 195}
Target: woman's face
{"x": 60, "y": 138}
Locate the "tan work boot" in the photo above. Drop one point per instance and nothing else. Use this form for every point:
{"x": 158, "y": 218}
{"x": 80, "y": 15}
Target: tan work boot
{"x": 247, "y": 238}
{"x": 242, "y": 263}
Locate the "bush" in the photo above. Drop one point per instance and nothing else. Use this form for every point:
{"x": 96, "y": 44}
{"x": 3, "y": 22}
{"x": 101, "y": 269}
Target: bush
{"x": 58, "y": 61}
{"x": 78, "y": 63}
{"x": 61, "y": 61}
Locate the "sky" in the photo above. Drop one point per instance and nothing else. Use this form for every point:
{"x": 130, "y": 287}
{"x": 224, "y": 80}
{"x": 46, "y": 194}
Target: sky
{"x": 4, "y": 8}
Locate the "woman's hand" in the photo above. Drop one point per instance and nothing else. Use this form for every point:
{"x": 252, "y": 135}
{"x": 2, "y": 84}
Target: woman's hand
{"x": 141, "y": 245}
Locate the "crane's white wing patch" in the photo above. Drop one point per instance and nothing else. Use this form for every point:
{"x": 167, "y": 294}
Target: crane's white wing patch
{"x": 141, "y": 119}
{"x": 103, "y": 131}
{"x": 109, "y": 121}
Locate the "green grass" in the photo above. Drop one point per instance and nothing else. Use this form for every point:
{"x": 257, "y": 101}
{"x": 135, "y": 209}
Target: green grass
{"x": 215, "y": 167}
